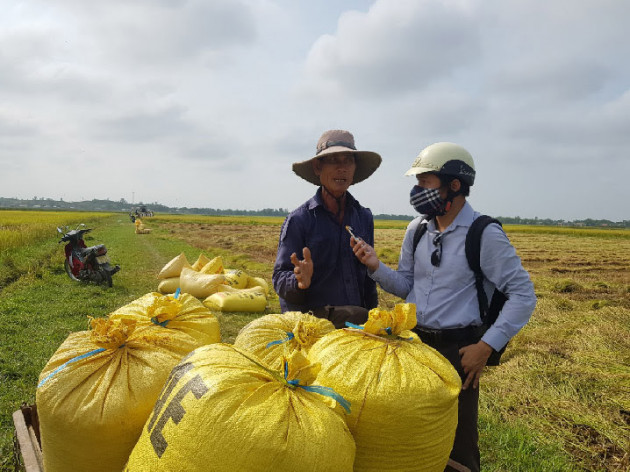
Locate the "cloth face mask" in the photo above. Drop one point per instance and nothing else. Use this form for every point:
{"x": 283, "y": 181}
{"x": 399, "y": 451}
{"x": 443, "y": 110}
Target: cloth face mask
{"x": 427, "y": 201}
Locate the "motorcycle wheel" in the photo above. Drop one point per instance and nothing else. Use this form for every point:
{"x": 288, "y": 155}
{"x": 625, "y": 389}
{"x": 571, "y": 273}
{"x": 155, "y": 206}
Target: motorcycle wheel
{"x": 66, "y": 266}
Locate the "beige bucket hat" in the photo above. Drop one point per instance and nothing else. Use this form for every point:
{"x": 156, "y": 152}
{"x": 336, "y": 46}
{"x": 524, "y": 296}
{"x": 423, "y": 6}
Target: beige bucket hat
{"x": 333, "y": 142}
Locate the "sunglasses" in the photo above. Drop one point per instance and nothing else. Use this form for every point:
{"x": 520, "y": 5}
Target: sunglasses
{"x": 436, "y": 255}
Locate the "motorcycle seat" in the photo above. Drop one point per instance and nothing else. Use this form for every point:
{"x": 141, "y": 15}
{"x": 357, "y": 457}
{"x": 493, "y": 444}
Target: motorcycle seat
{"x": 99, "y": 250}
{"x": 84, "y": 251}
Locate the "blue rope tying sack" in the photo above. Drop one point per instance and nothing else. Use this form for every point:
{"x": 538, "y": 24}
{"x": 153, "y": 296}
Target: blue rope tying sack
{"x": 352, "y": 325}
{"x": 325, "y": 391}
{"x": 388, "y": 330}
{"x": 289, "y": 337}
{"x": 71, "y": 361}
{"x": 162, "y": 324}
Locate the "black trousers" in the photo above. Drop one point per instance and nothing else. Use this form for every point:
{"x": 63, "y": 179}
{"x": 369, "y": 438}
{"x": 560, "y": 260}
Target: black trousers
{"x": 466, "y": 447}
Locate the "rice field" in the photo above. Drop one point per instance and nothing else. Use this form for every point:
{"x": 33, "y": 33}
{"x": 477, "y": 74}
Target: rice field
{"x": 21, "y": 228}
{"x": 560, "y": 401}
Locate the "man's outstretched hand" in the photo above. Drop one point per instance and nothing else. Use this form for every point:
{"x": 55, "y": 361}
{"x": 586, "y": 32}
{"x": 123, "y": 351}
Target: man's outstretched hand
{"x": 303, "y": 269}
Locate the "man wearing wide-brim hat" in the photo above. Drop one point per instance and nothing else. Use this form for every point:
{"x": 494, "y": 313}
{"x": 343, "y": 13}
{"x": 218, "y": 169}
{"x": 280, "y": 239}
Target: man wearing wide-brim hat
{"x": 315, "y": 268}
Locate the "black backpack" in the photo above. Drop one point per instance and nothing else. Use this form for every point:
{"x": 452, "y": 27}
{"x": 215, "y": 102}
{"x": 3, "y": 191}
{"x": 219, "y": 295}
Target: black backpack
{"x": 489, "y": 312}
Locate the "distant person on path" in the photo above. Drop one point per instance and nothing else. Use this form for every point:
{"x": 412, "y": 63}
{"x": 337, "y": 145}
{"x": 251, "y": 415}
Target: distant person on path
{"x": 436, "y": 277}
{"x": 315, "y": 267}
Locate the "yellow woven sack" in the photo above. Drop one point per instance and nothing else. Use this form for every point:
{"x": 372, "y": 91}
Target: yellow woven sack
{"x": 271, "y": 337}
{"x": 230, "y": 289}
{"x": 236, "y": 278}
{"x": 169, "y": 285}
{"x": 141, "y": 229}
{"x": 98, "y": 389}
{"x": 201, "y": 261}
{"x": 185, "y": 314}
{"x": 258, "y": 282}
{"x": 199, "y": 285}
{"x": 236, "y": 301}
{"x": 223, "y": 411}
{"x": 214, "y": 266}
{"x": 403, "y": 392}
{"x": 174, "y": 267}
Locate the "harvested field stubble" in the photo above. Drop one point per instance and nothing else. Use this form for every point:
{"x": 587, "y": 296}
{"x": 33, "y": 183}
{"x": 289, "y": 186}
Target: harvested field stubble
{"x": 565, "y": 378}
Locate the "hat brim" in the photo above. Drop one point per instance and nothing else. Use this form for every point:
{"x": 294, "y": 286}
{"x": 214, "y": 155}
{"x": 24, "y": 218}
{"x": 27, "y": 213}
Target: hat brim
{"x": 420, "y": 170}
{"x": 367, "y": 162}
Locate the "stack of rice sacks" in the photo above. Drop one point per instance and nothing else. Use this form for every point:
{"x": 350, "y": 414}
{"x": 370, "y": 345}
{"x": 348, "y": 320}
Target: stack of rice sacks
{"x": 403, "y": 393}
{"x": 98, "y": 389}
{"x": 224, "y": 410}
{"x": 271, "y": 337}
{"x": 220, "y": 289}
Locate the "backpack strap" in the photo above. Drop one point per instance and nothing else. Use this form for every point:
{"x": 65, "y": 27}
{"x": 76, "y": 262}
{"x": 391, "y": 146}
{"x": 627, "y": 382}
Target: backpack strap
{"x": 473, "y": 255}
{"x": 420, "y": 230}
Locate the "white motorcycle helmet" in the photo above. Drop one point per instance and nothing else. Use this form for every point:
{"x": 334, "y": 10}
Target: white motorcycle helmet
{"x": 445, "y": 159}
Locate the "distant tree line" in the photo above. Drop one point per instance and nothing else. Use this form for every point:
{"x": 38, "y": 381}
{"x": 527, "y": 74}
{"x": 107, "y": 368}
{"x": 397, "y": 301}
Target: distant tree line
{"x": 123, "y": 205}
{"x": 517, "y": 220}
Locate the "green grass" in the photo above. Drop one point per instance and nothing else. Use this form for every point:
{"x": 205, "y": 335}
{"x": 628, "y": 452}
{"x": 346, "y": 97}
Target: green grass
{"x": 40, "y": 309}
{"x": 510, "y": 445}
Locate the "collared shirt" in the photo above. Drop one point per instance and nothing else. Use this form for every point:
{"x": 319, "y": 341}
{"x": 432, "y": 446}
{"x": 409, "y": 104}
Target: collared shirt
{"x": 339, "y": 278}
{"x": 446, "y": 296}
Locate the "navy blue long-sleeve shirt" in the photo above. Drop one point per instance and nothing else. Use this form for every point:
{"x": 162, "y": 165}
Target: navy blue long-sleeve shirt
{"x": 338, "y": 276}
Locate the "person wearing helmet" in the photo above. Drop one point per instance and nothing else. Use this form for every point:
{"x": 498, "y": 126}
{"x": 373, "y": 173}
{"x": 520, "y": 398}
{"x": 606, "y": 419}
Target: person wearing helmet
{"x": 315, "y": 268}
{"x": 436, "y": 276}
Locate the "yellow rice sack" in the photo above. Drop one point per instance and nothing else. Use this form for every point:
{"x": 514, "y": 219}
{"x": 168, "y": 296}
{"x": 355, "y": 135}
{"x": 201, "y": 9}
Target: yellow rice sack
{"x": 199, "y": 285}
{"x": 185, "y": 314}
{"x": 271, "y": 337}
{"x": 140, "y": 228}
{"x": 214, "y": 266}
{"x": 230, "y": 289}
{"x": 258, "y": 282}
{"x": 98, "y": 389}
{"x": 236, "y": 278}
{"x": 169, "y": 285}
{"x": 236, "y": 301}
{"x": 223, "y": 411}
{"x": 201, "y": 261}
{"x": 174, "y": 267}
{"x": 404, "y": 393}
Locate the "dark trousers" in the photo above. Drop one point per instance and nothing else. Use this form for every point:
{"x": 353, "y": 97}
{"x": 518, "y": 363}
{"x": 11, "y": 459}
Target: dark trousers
{"x": 339, "y": 314}
{"x": 466, "y": 447}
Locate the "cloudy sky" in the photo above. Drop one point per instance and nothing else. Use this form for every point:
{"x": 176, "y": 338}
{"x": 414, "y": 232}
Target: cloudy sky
{"x": 208, "y": 102}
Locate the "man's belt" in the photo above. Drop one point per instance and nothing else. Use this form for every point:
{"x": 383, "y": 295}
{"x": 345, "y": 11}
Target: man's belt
{"x": 453, "y": 335}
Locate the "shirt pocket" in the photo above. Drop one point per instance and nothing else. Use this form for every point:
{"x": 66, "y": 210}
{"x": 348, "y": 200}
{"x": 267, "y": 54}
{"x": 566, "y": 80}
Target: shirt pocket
{"x": 323, "y": 253}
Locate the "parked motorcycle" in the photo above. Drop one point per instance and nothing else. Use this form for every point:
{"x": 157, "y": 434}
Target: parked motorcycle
{"x": 82, "y": 263}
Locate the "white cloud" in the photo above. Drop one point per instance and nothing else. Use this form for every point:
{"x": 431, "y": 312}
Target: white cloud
{"x": 211, "y": 101}
{"x": 393, "y": 48}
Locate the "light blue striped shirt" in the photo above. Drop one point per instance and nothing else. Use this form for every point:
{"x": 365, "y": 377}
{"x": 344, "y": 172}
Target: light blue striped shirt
{"x": 446, "y": 296}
